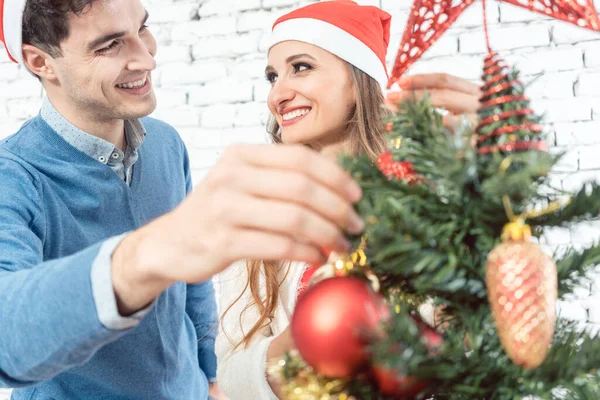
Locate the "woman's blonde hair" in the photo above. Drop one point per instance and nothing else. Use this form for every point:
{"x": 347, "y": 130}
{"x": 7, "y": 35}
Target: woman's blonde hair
{"x": 367, "y": 136}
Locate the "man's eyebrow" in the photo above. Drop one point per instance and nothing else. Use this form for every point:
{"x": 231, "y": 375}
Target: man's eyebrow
{"x": 111, "y": 36}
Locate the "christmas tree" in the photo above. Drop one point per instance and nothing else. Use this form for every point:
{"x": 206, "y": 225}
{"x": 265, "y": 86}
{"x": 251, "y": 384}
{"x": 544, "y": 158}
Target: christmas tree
{"x": 453, "y": 220}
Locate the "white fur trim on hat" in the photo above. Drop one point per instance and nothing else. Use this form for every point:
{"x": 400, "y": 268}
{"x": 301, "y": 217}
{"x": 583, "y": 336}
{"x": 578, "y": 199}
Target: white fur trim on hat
{"x": 333, "y": 39}
{"x": 13, "y": 28}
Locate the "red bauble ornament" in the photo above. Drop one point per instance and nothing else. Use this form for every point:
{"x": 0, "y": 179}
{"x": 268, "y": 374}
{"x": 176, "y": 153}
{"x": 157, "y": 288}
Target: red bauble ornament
{"x": 398, "y": 386}
{"x": 331, "y": 323}
{"x": 391, "y": 384}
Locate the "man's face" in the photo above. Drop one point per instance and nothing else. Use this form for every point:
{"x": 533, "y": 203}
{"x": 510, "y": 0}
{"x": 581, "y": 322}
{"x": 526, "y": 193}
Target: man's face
{"x": 105, "y": 69}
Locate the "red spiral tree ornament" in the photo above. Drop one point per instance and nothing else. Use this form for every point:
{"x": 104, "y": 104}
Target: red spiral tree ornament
{"x": 507, "y": 122}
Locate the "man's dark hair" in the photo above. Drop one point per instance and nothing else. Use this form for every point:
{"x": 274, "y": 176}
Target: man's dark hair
{"x": 45, "y": 23}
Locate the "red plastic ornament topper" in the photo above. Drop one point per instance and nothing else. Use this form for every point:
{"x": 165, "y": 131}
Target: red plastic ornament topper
{"x": 429, "y": 19}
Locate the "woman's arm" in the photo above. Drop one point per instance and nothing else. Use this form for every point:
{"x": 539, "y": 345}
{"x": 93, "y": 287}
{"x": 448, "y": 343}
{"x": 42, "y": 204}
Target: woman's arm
{"x": 241, "y": 371}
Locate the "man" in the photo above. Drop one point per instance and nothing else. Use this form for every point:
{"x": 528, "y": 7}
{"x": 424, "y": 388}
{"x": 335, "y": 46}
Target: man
{"x": 104, "y": 267}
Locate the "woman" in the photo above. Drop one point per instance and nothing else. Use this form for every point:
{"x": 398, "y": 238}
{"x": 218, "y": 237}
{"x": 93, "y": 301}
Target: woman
{"x": 327, "y": 68}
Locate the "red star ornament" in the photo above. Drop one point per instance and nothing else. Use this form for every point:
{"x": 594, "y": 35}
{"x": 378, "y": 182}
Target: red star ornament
{"x": 429, "y": 19}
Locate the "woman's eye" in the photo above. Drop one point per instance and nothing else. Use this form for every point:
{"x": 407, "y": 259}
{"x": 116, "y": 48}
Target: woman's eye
{"x": 271, "y": 77}
{"x": 301, "y": 67}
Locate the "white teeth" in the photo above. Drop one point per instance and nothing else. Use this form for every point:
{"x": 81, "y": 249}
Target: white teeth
{"x": 295, "y": 114}
{"x": 131, "y": 85}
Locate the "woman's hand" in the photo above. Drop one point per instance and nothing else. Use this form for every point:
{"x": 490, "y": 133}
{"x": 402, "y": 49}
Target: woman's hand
{"x": 456, "y": 95}
{"x": 277, "y": 348}
{"x": 280, "y": 345}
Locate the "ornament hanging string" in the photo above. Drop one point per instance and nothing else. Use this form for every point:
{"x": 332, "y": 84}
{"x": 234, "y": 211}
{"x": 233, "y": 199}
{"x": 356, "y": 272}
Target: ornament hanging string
{"x": 516, "y": 228}
{"x": 485, "y": 27}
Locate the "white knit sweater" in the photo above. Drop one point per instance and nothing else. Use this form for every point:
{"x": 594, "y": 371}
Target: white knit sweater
{"x": 242, "y": 374}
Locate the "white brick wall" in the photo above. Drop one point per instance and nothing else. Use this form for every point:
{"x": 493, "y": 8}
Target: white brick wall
{"x": 210, "y": 86}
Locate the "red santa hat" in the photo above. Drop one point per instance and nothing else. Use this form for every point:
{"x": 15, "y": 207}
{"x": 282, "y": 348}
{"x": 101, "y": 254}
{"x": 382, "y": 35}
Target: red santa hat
{"x": 357, "y": 34}
{"x": 11, "y": 28}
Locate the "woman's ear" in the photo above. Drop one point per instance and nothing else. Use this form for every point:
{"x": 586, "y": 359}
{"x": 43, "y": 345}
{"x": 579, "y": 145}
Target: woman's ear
{"x": 38, "y": 62}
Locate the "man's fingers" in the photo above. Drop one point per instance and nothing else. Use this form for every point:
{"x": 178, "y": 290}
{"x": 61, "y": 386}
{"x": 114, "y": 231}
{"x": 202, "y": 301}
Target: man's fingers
{"x": 301, "y": 160}
{"x": 292, "y": 187}
{"x": 271, "y": 246}
{"x": 439, "y": 81}
{"x": 287, "y": 219}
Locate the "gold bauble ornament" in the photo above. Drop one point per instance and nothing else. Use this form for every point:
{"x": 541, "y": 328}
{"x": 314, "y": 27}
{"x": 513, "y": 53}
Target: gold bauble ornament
{"x": 522, "y": 289}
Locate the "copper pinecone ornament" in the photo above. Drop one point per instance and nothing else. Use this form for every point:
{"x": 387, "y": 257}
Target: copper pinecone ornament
{"x": 522, "y": 289}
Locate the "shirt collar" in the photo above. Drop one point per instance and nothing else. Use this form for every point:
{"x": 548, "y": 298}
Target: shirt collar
{"x": 93, "y": 146}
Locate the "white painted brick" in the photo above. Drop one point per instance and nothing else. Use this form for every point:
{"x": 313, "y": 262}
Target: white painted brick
{"x": 22, "y": 109}
{"x": 563, "y": 32}
{"x": 581, "y": 133}
{"x": 162, "y": 34}
{"x": 571, "y": 310}
{"x": 203, "y": 138}
{"x": 586, "y": 233}
{"x": 220, "y": 7}
{"x": 261, "y": 89}
{"x": 588, "y": 84}
{"x": 8, "y": 72}
{"x": 556, "y": 236}
{"x": 203, "y": 158}
{"x": 573, "y": 109}
{"x": 172, "y": 12}
{"x": 393, "y": 6}
{"x": 375, "y": 3}
{"x": 582, "y": 291}
{"x": 594, "y": 312}
{"x": 227, "y": 46}
{"x": 279, "y": 3}
{"x": 574, "y": 182}
{"x": 264, "y": 42}
{"x": 252, "y": 68}
{"x": 446, "y": 45}
{"x": 253, "y": 135}
{"x": 588, "y": 157}
{"x": 10, "y": 127}
{"x": 536, "y": 61}
{"x": 194, "y": 32}
{"x": 251, "y": 114}
{"x": 473, "y": 17}
{"x": 170, "y": 97}
{"x": 569, "y": 162}
{"x": 505, "y": 38}
{"x": 178, "y": 116}
{"x": 3, "y": 111}
{"x": 467, "y": 67}
{"x": 553, "y": 86}
{"x": 397, "y": 27}
{"x": 198, "y": 175}
{"x": 190, "y": 74}
{"x": 592, "y": 54}
{"x": 221, "y": 92}
{"x": 257, "y": 20}
{"x": 173, "y": 54}
{"x": 21, "y": 88}
{"x": 218, "y": 116}
{"x": 512, "y": 13}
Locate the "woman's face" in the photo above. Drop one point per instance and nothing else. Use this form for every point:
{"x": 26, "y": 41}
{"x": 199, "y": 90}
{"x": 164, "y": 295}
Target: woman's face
{"x": 312, "y": 94}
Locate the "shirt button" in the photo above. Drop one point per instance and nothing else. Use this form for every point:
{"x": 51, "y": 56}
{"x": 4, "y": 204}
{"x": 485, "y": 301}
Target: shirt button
{"x": 102, "y": 159}
{"x": 115, "y": 155}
